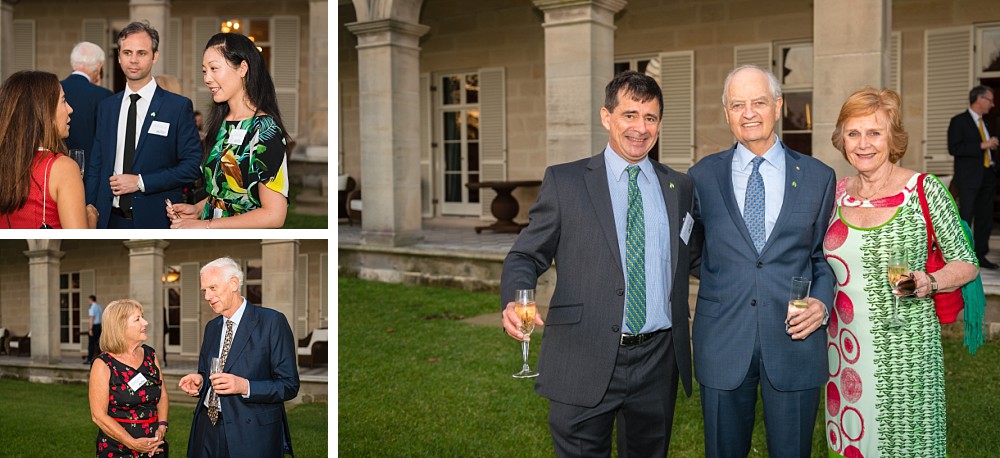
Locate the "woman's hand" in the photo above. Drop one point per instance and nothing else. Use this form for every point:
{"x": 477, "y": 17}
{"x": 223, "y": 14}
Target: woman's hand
{"x": 92, "y": 216}
{"x": 185, "y": 223}
{"x": 147, "y": 445}
{"x": 183, "y": 211}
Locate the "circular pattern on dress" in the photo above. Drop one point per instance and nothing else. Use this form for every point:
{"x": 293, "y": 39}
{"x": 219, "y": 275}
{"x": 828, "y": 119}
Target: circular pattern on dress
{"x": 836, "y": 234}
{"x": 853, "y": 452}
{"x": 832, "y": 399}
{"x": 840, "y": 269}
{"x": 833, "y": 325}
{"x": 852, "y": 425}
{"x": 850, "y": 346}
{"x": 850, "y": 385}
{"x": 845, "y": 307}
{"x": 832, "y": 360}
{"x": 833, "y": 438}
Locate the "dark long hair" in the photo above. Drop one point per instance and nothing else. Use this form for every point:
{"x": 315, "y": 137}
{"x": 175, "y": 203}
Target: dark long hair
{"x": 257, "y": 84}
{"x": 28, "y": 102}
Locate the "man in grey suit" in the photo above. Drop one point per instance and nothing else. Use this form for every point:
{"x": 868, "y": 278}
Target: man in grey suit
{"x": 761, "y": 212}
{"x": 618, "y": 226}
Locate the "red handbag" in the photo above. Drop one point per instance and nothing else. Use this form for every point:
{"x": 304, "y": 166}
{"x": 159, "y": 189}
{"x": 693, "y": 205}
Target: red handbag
{"x": 947, "y": 305}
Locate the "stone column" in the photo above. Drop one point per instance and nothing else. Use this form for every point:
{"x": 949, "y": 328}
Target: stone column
{"x": 6, "y": 38}
{"x": 850, "y": 51}
{"x": 579, "y": 63}
{"x": 157, "y": 12}
{"x": 279, "y": 258}
{"x": 145, "y": 277}
{"x": 389, "y": 106}
{"x": 316, "y": 112}
{"x": 43, "y": 275}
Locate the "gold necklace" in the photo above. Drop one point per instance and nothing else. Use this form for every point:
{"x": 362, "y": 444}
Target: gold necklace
{"x": 877, "y": 191}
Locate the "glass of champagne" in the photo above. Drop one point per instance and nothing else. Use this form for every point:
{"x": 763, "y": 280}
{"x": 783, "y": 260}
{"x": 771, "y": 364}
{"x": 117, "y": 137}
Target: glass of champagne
{"x": 797, "y": 298}
{"x": 524, "y": 306}
{"x": 77, "y": 155}
{"x": 899, "y": 267}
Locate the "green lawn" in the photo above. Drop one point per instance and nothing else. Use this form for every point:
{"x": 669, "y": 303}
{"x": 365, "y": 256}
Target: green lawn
{"x": 295, "y": 220}
{"x": 54, "y": 420}
{"x": 415, "y": 381}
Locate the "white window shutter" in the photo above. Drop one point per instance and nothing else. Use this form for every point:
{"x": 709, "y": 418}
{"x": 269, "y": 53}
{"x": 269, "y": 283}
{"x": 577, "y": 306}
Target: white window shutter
{"x": 301, "y": 297}
{"x": 323, "y": 292}
{"x": 759, "y": 54}
{"x": 202, "y": 29}
{"x": 677, "y": 125}
{"x": 285, "y": 69}
{"x": 86, "y": 289}
{"x": 190, "y": 308}
{"x": 895, "y": 82}
{"x": 173, "y": 56}
{"x": 96, "y": 32}
{"x": 492, "y": 133}
{"x": 426, "y": 172}
{"x": 24, "y": 45}
{"x": 947, "y": 80}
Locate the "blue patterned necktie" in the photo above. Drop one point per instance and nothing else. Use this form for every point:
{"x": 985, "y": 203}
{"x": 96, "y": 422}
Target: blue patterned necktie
{"x": 635, "y": 255}
{"x": 753, "y": 206}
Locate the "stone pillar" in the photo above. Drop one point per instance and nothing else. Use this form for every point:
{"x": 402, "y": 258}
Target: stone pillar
{"x": 579, "y": 63}
{"x": 279, "y": 258}
{"x": 6, "y": 39}
{"x": 316, "y": 112}
{"x": 389, "y": 106}
{"x": 850, "y": 51}
{"x": 157, "y": 12}
{"x": 145, "y": 277}
{"x": 43, "y": 275}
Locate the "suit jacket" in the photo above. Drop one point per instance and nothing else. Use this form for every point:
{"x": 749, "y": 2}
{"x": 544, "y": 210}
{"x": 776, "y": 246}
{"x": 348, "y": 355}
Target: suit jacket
{"x": 572, "y": 222}
{"x": 83, "y": 96}
{"x": 963, "y": 144}
{"x": 167, "y": 163}
{"x": 743, "y": 294}
{"x": 263, "y": 352}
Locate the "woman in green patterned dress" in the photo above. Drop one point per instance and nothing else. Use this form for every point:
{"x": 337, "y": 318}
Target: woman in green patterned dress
{"x": 246, "y": 169}
{"x": 885, "y": 396}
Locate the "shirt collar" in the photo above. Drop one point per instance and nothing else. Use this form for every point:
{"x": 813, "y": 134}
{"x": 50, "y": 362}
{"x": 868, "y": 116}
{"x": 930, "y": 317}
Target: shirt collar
{"x": 146, "y": 92}
{"x": 975, "y": 116}
{"x": 238, "y": 316}
{"x": 617, "y": 165}
{"x": 775, "y": 155}
{"x": 78, "y": 72}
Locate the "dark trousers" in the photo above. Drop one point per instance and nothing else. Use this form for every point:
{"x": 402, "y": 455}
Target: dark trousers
{"x": 975, "y": 206}
{"x": 641, "y": 395}
{"x": 209, "y": 439}
{"x": 789, "y": 416}
{"x": 117, "y": 222}
{"x": 93, "y": 344}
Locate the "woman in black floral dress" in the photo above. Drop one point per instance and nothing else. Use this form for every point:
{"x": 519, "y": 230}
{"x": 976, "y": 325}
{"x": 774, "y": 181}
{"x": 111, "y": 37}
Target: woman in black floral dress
{"x": 127, "y": 399}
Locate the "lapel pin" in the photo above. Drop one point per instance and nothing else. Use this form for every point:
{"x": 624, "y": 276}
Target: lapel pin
{"x": 152, "y": 115}
{"x": 795, "y": 185}
{"x": 671, "y": 186}
{"x": 797, "y": 168}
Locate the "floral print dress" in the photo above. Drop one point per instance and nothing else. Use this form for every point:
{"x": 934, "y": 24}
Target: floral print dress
{"x": 885, "y": 397}
{"x": 247, "y": 154}
{"x": 134, "y": 410}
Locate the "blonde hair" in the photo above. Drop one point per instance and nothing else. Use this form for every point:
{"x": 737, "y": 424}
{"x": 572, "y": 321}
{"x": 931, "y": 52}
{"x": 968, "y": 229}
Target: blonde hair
{"x": 869, "y": 101}
{"x": 115, "y": 321}
{"x": 168, "y": 83}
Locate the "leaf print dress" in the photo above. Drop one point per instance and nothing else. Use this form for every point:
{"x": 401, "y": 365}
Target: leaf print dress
{"x": 247, "y": 154}
{"x": 885, "y": 397}
{"x": 134, "y": 410}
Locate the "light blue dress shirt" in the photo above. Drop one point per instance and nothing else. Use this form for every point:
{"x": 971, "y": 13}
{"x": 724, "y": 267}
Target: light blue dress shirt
{"x": 658, "y": 279}
{"x": 772, "y": 170}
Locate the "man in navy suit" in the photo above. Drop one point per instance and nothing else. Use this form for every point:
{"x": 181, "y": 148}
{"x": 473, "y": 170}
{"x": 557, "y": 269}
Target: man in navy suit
{"x": 241, "y": 411}
{"x": 974, "y": 147}
{"x": 83, "y": 92}
{"x": 761, "y": 212}
{"x": 146, "y": 147}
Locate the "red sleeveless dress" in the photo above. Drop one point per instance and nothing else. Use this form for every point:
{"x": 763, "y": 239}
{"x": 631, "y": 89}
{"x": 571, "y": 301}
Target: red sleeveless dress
{"x": 40, "y": 205}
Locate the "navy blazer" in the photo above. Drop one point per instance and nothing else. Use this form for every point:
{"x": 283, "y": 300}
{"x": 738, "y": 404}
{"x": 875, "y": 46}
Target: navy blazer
{"x": 83, "y": 96}
{"x": 744, "y": 295}
{"x": 263, "y": 352}
{"x": 963, "y": 143}
{"x": 573, "y": 223}
{"x": 167, "y": 163}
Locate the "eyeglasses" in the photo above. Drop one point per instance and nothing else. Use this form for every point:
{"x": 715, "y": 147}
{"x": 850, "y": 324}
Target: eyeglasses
{"x": 988, "y": 99}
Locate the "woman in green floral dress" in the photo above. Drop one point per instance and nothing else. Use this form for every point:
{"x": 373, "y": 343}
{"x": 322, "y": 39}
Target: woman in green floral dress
{"x": 885, "y": 397}
{"x": 246, "y": 171}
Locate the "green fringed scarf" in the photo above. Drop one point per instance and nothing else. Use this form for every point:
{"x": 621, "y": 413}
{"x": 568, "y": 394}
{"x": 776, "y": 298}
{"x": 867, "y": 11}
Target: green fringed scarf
{"x": 975, "y": 306}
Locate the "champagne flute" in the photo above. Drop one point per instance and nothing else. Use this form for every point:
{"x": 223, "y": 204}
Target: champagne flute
{"x": 525, "y": 308}
{"x": 216, "y": 367}
{"x": 797, "y": 298}
{"x": 77, "y": 155}
{"x": 899, "y": 267}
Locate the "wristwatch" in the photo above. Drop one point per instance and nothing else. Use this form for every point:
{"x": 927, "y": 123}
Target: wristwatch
{"x": 934, "y": 285}
{"x": 164, "y": 424}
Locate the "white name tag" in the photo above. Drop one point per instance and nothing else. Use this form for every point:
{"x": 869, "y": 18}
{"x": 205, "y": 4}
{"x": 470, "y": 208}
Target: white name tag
{"x": 137, "y": 382}
{"x": 686, "y": 228}
{"x": 217, "y": 213}
{"x": 159, "y": 128}
{"x": 236, "y": 136}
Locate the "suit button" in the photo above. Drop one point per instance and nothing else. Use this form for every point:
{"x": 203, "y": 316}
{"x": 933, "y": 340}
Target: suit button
{"x": 619, "y": 291}
{"x": 248, "y": 421}
{"x": 753, "y": 303}
{"x": 760, "y": 265}
{"x": 616, "y": 328}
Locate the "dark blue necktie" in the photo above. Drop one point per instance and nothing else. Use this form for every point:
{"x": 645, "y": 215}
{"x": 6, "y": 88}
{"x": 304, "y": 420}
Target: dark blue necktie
{"x": 753, "y": 206}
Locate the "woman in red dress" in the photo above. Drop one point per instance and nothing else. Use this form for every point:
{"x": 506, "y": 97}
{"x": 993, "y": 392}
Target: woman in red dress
{"x": 39, "y": 187}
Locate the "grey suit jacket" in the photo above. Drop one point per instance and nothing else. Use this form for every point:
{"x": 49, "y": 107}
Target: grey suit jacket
{"x": 572, "y": 222}
{"x": 744, "y": 295}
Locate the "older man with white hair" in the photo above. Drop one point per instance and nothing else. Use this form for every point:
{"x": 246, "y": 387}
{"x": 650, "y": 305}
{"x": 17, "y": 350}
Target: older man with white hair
{"x": 83, "y": 92}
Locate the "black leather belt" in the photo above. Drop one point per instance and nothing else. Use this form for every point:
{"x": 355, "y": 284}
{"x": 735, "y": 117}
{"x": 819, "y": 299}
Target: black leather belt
{"x": 629, "y": 340}
{"x": 127, "y": 214}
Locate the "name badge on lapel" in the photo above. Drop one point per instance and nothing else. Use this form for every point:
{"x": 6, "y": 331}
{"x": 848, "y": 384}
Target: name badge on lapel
{"x": 159, "y": 128}
{"x": 686, "y": 228}
{"x": 236, "y": 137}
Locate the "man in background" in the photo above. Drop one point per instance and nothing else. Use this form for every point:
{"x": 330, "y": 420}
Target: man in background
{"x": 83, "y": 93}
{"x": 93, "y": 329}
